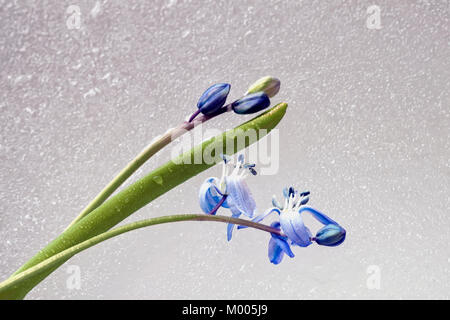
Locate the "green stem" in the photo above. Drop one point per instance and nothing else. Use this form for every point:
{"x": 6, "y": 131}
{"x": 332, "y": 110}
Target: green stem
{"x": 141, "y": 158}
{"x": 48, "y": 264}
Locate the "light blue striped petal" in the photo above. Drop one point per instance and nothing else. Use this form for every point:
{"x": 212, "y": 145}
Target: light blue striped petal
{"x": 240, "y": 195}
{"x": 292, "y": 225}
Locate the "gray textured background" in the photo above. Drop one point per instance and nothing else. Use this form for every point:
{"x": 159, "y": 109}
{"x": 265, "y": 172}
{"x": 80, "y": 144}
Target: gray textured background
{"x": 367, "y": 131}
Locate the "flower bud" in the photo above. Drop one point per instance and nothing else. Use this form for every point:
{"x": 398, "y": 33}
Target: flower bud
{"x": 269, "y": 85}
{"x": 331, "y": 235}
{"x": 251, "y": 103}
{"x": 213, "y": 98}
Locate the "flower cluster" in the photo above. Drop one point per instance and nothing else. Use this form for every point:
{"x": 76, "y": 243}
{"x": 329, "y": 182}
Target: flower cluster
{"x": 232, "y": 192}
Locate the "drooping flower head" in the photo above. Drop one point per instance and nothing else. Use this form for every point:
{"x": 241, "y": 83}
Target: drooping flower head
{"x": 292, "y": 225}
{"x": 230, "y": 191}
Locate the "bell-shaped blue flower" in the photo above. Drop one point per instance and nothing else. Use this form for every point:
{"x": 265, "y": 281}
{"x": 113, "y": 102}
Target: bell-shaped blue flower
{"x": 213, "y": 98}
{"x": 251, "y": 103}
{"x": 292, "y": 222}
{"x": 231, "y": 191}
{"x": 293, "y": 227}
{"x": 330, "y": 235}
{"x": 278, "y": 246}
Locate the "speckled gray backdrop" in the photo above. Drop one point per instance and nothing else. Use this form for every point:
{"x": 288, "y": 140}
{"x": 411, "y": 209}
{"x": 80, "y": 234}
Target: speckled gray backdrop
{"x": 367, "y": 131}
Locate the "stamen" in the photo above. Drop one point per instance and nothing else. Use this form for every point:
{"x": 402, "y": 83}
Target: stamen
{"x": 235, "y": 171}
{"x": 285, "y": 192}
{"x": 304, "y": 201}
{"x": 285, "y": 203}
{"x": 291, "y": 191}
{"x": 275, "y": 203}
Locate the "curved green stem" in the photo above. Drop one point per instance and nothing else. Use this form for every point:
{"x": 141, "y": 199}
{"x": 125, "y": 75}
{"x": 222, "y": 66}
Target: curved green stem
{"x": 64, "y": 255}
{"x": 141, "y": 158}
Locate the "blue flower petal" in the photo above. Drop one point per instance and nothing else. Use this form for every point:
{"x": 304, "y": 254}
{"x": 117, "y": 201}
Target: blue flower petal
{"x": 292, "y": 225}
{"x": 275, "y": 252}
{"x": 322, "y": 218}
{"x": 208, "y": 195}
{"x": 282, "y": 243}
{"x": 278, "y": 246}
{"x": 240, "y": 195}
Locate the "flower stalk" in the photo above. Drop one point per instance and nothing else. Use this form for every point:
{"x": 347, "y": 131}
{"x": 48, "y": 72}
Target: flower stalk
{"x": 20, "y": 279}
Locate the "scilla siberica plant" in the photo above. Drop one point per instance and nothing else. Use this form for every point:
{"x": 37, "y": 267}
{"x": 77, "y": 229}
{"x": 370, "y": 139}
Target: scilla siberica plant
{"x": 95, "y": 222}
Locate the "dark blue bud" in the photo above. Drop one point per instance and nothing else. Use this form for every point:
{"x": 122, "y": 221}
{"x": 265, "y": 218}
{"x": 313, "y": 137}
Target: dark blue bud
{"x": 331, "y": 235}
{"x": 213, "y": 98}
{"x": 251, "y": 103}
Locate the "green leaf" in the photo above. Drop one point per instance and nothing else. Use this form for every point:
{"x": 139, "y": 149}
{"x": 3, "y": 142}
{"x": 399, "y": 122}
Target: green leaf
{"x": 142, "y": 192}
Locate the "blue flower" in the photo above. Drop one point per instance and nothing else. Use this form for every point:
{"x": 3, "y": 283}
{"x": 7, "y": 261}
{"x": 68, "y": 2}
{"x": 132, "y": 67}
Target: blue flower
{"x": 293, "y": 227}
{"x": 213, "y": 98}
{"x": 251, "y": 103}
{"x": 231, "y": 192}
